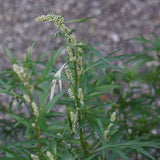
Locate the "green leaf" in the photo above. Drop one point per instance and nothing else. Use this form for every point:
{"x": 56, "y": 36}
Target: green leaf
{"x": 55, "y": 127}
{"x": 94, "y": 125}
{"x": 28, "y": 56}
{"x": 80, "y": 20}
{"x": 92, "y": 156}
{"x": 52, "y": 102}
{"x": 121, "y": 154}
{"x": 11, "y": 57}
{"x": 54, "y": 81}
{"x": 143, "y": 151}
{"x": 50, "y": 63}
{"x": 20, "y": 120}
{"x": 134, "y": 144}
{"x": 43, "y": 95}
{"x": 10, "y": 154}
{"x": 100, "y": 55}
{"x": 142, "y": 40}
{"x": 120, "y": 57}
{"x": 107, "y": 87}
{"x": 110, "y": 54}
{"x": 66, "y": 102}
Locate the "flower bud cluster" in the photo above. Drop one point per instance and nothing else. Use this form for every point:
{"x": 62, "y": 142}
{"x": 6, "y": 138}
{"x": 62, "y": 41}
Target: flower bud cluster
{"x": 56, "y": 19}
{"x": 22, "y": 72}
{"x": 29, "y": 86}
{"x": 70, "y": 53}
{"x": 71, "y": 39}
{"x": 49, "y": 155}
{"x": 112, "y": 119}
{"x": 71, "y": 95}
{"x": 80, "y": 49}
{"x": 69, "y": 75}
{"x": 73, "y": 116}
{"x": 34, "y": 157}
{"x": 33, "y": 125}
{"x": 80, "y": 96}
{"x": 24, "y": 75}
{"x": 35, "y": 109}
{"x": 79, "y": 61}
{"x": 73, "y": 120}
{"x": 26, "y": 98}
{"x": 65, "y": 29}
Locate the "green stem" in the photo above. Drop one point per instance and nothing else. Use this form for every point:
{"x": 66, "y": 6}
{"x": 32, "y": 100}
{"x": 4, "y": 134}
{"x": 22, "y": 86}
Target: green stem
{"x": 92, "y": 151}
{"x": 38, "y": 133}
{"x": 79, "y": 110}
{"x": 39, "y": 142}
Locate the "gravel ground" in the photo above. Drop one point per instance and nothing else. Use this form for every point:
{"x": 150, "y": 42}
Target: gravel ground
{"x": 117, "y": 21}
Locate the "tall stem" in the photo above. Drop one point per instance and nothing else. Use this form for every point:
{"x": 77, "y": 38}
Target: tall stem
{"x": 39, "y": 142}
{"x": 79, "y": 109}
{"x": 38, "y": 132}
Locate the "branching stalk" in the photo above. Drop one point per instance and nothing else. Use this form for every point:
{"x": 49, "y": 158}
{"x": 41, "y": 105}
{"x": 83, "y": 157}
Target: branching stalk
{"x": 37, "y": 129}
{"x": 79, "y": 109}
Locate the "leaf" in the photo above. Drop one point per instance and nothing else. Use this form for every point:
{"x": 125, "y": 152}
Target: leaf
{"x": 110, "y": 54}
{"x": 100, "y": 106}
{"x": 58, "y": 75}
{"x": 92, "y": 156}
{"x": 134, "y": 144}
{"x": 120, "y": 57}
{"x": 56, "y": 127}
{"x": 107, "y": 87}
{"x": 66, "y": 102}
{"x": 50, "y": 63}
{"x": 10, "y": 154}
{"x": 28, "y": 56}
{"x": 20, "y": 120}
{"x": 100, "y": 55}
{"x": 80, "y": 20}
{"x": 43, "y": 95}
{"x": 142, "y": 40}
{"x": 143, "y": 151}
{"x": 52, "y": 102}
{"x": 11, "y": 57}
{"x": 99, "y": 90}
{"x": 94, "y": 125}
{"x": 121, "y": 154}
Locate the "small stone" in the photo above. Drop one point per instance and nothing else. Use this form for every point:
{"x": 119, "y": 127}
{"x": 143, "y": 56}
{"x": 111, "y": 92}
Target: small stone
{"x": 114, "y": 37}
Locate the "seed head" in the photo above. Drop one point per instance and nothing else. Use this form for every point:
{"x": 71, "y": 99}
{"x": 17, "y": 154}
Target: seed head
{"x": 45, "y": 18}
{"x": 22, "y": 72}
{"x": 70, "y": 53}
{"x": 35, "y": 109}
{"x": 69, "y": 74}
{"x": 34, "y": 157}
{"x": 79, "y": 61}
{"x": 26, "y": 98}
{"x": 80, "y": 96}
{"x": 71, "y": 95}
{"x": 49, "y": 155}
{"x": 73, "y": 116}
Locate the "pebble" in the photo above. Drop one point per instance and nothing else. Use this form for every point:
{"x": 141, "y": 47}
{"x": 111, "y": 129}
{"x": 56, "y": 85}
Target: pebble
{"x": 114, "y": 37}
